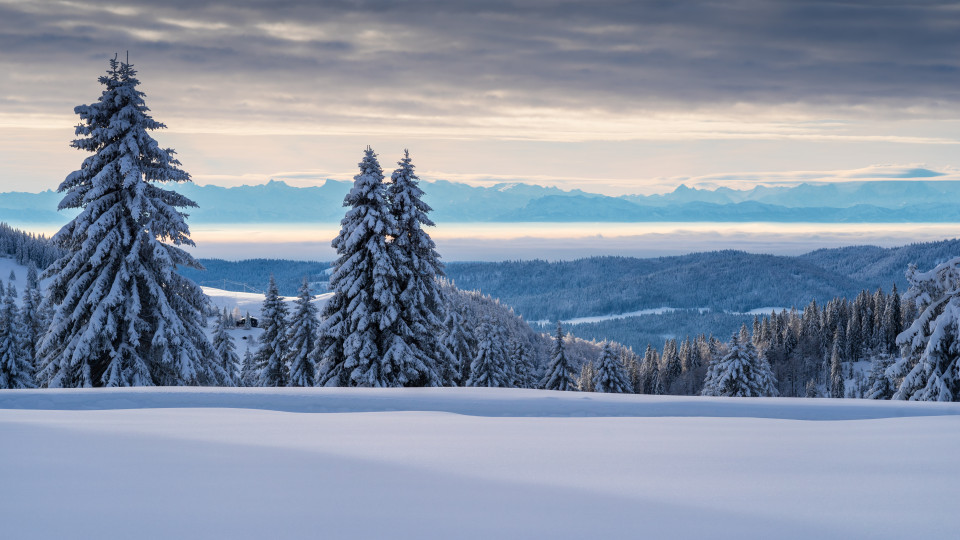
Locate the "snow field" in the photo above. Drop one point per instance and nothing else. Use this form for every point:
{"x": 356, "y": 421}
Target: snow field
{"x": 471, "y": 463}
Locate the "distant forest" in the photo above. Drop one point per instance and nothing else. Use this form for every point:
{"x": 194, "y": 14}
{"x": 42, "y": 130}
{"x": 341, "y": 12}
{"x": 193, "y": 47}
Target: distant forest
{"x": 725, "y": 283}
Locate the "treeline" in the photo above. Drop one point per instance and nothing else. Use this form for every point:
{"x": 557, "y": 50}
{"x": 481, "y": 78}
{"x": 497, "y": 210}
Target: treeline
{"x": 27, "y": 248}
{"x": 805, "y": 350}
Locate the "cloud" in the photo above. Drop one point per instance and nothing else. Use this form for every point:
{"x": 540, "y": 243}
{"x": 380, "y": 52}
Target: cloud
{"x": 880, "y": 172}
{"x": 543, "y": 70}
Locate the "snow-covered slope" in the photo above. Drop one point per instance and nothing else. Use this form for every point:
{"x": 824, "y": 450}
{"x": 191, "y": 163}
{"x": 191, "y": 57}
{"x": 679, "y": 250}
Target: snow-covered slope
{"x": 250, "y": 302}
{"x": 471, "y": 463}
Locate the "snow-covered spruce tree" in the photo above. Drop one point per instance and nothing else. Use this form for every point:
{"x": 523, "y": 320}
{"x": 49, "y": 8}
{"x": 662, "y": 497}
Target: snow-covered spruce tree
{"x": 363, "y": 339}
{"x": 930, "y": 368}
{"x": 559, "y": 374}
{"x": 16, "y": 369}
{"x": 225, "y": 350}
{"x": 879, "y": 386}
{"x": 610, "y": 376}
{"x": 585, "y": 380}
{"x": 302, "y": 338}
{"x": 522, "y": 364}
{"x": 248, "y": 370}
{"x": 31, "y": 325}
{"x": 836, "y": 372}
{"x": 456, "y": 342}
{"x": 123, "y": 316}
{"x": 650, "y": 375}
{"x": 488, "y": 368}
{"x": 740, "y": 372}
{"x": 270, "y": 358}
{"x": 418, "y": 266}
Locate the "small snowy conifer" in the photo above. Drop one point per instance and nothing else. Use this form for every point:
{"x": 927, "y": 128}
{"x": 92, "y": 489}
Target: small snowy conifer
{"x": 248, "y": 370}
{"x": 740, "y": 372}
{"x": 225, "y": 350}
{"x": 302, "y": 338}
{"x": 271, "y": 354}
{"x": 488, "y": 367}
{"x": 456, "y": 341}
{"x": 16, "y": 370}
{"x": 610, "y": 376}
{"x": 559, "y": 371}
{"x": 836, "y": 372}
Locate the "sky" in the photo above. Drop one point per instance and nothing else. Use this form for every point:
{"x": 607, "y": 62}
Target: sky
{"x": 608, "y": 96}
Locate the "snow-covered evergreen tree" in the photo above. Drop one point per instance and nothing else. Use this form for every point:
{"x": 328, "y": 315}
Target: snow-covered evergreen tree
{"x": 32, "y": 324}
{"x": 650, "y": 375}
{"x": 16, "y": 369}
{"x": 123, "y": 315}
{"x": 270, "y": 358}
{"x": 456, "y": 342}
{"x": 610, "y": 376}
{"x": 249, "y": 376}
{"x": 670, "y": 366}
{"x": 930, "y": 369}
{"x": 302, "y": 338}
{"x": 585, "y": 381}
{"x": 488, "y": 368}
{"x": 879, "y": 386}
{"x": 740, "y": 372}
{"x": 522, "y": 364}
{"x": 559, "y": 371}
{"x": 363, "y": 338}
{"x": 836, "y": 372}
{"x": 225, "y": 350}
{"x": 418, "y": 266}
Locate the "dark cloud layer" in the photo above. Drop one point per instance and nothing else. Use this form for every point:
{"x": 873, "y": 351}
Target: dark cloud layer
{"x": 353, "y": 61}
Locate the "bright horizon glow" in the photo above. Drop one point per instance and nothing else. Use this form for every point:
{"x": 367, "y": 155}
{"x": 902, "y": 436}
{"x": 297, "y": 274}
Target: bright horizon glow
{"x": 567, "y": 241}
{"x": 560, "y": 241}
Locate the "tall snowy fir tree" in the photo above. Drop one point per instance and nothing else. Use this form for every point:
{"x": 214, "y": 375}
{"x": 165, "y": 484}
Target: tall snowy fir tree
{"x": 363, "y": 338}
{"x": 418, "y": 266}
{"x": 740, "y": 372}
{"x": 610, "y": 376}
{"x": 560, "y": 374}
{"x": 225, "y": 350}
{"x": 123, "y": 315}
{"x": 930, "y": 369}
{"x": 302, "y": 338}
{"x": 16, "y": 369}
{"x": 271, "y": 355}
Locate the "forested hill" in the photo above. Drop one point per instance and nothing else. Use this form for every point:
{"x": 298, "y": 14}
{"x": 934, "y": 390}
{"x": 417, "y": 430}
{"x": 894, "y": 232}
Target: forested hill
{"x": 721, "y": 281}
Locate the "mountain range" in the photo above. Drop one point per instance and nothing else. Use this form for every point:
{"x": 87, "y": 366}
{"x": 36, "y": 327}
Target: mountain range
{"x": 889, "y": 201}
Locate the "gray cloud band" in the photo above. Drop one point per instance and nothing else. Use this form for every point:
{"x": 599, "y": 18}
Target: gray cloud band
{"x": 436, "y": 59}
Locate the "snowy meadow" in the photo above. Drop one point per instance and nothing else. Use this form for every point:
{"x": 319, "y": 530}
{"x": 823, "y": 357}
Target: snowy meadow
{"x": 471, "y": 463}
